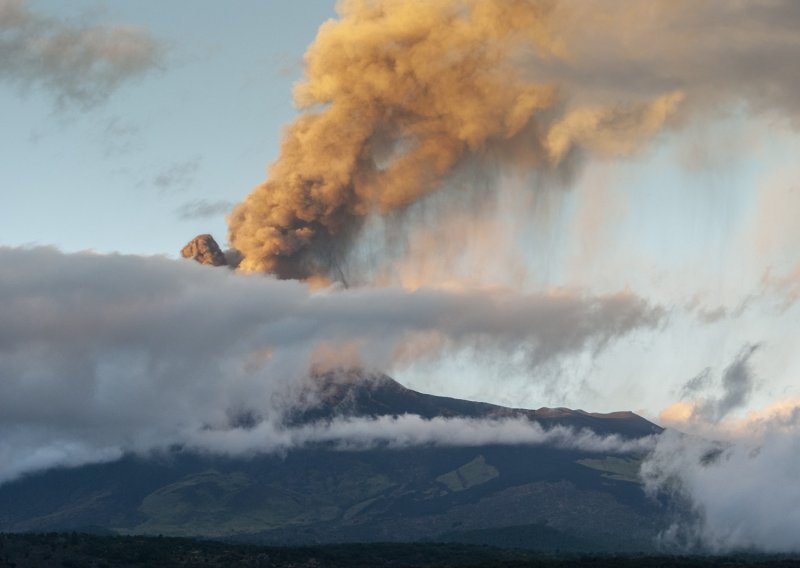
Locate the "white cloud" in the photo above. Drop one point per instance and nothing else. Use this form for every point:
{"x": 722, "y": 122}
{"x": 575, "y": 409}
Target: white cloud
{"x": 744, "y": 494}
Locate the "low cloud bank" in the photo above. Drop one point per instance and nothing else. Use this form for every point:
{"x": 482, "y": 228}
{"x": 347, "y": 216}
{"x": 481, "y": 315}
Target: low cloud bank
{"x": 355, "y": 434}
{"x": 106, "y": 354}
{"x": 743, "y": 494}
{"x": 737, "y": 474}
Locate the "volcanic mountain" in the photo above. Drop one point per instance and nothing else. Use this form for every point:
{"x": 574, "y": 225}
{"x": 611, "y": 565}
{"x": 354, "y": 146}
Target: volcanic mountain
{"x": 351, "y": 393}
{"x": 533, "y": 496}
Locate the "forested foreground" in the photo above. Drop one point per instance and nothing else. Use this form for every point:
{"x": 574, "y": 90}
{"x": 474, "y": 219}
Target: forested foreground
{"x": 73, "y": 550}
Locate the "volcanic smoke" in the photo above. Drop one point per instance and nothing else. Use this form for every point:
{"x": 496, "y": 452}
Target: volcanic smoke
{"x": 396, "y": 95}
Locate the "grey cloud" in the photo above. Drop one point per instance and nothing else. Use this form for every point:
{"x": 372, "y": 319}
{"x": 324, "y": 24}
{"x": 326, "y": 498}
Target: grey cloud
{"x": 107, "y": 354}
{"x": 79, "y": 64}
{"x": 713, "y": 51}
{"x": 712, "y": 315}
{"x": 119, "y": 137}
{"x": 738, "y": 382}
{"x": 697, "y": 384}
{"x": 178, "y": 176}
{"x": 203, "y": 209}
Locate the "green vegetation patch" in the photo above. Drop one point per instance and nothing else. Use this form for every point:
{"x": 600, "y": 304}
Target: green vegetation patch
{"x": 218, "y": 504}
{"x": 210, "y": 503}
{"x": 359, "y": 507}
{"x": 469, "y": 475}
{"x": 621, "y": 469}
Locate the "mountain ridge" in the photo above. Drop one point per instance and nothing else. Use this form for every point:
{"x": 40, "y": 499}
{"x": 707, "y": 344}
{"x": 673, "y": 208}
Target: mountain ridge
{"x": 496, "y": 493}
{"x": 353, "y": 393}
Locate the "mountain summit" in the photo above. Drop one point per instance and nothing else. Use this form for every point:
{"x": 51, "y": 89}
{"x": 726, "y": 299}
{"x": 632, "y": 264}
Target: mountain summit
{"x": 205, "y": 250}
{"x": 353, "y": 393}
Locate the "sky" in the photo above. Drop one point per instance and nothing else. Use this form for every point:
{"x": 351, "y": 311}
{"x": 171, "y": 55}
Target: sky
{"x": 625, "y": 240}
{"x": 692, "y": 221}
{"x": 132, "y": 171}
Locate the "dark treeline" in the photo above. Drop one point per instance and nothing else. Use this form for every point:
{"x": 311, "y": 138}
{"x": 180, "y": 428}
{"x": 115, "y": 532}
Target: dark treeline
{"x": 74, "y": 550}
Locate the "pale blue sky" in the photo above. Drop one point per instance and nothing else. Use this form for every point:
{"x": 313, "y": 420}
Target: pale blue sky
{"x": 208, "y": 122}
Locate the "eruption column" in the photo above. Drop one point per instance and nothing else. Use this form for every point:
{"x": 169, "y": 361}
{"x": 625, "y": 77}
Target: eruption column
{"x": 396, "y": 95}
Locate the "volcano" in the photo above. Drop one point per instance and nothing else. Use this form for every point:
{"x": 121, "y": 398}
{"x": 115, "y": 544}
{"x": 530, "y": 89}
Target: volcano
{"x": 514, "y": 495}
{"x": 355, "y": 394}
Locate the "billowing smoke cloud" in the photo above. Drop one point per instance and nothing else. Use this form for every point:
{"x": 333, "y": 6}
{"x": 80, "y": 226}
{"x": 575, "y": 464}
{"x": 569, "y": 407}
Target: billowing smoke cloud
{"x": 101, "y": 355}
{"x": 77, "y": 64}
{"x": 397, "y": 95}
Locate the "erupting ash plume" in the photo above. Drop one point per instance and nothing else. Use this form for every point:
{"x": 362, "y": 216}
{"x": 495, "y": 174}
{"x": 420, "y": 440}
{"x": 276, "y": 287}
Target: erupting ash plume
{"x": 397, "y": 94}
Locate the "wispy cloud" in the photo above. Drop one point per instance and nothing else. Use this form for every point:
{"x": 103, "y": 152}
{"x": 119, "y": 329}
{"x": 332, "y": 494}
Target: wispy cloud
{"x": 79, "y": 64}
{"x": 178, "y": 176}
{"x": 699, "y": 405}
{"x": 715, "y": 52}
{"x": 203, "y": 209}
{"x": 409, "y": 430}
{"x": 119, "y": 137}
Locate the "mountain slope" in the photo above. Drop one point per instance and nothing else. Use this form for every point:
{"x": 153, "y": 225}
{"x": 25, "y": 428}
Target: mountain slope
{"x": 511, "y": 495}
